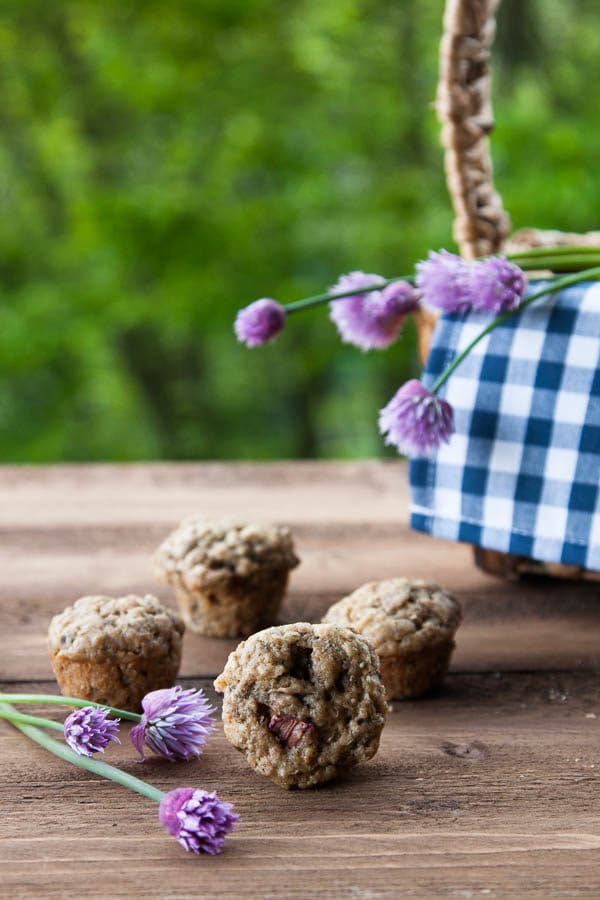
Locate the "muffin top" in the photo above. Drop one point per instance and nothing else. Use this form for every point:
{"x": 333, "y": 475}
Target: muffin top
{"x": 303, "y": 702}
{"x": 199, "y": 554}
{"x": 101, "y": 627}
{"x": 399, "y": 614}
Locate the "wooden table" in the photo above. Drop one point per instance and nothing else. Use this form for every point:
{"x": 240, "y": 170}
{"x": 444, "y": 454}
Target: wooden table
{"x": 490, "y": 789}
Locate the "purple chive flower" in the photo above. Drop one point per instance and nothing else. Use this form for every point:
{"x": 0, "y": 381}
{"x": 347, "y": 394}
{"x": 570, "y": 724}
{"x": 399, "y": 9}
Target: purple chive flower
{"x": 442, "y": 280}
{"x": 199, "y": 820}
{"x": 416, "y": 421}
{"x": 259, "y": 322}
{"x": 400, "y": 298}
{"x": 89, "y": 730}
{"x": 495, "y": 285}
{"x": 175, "y": 723}
{"x": 371, "y": 320}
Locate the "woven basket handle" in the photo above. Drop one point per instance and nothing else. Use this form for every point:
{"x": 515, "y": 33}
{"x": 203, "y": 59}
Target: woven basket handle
{"x": 464, "y": 108}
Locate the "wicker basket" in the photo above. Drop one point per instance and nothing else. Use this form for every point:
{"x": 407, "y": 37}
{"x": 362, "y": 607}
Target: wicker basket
{"x": 481, "y": 224}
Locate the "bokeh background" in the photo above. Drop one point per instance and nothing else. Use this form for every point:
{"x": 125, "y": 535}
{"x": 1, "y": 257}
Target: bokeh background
{"x": 163, "y": 163}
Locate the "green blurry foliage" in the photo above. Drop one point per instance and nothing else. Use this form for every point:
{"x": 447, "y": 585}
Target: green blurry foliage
{"x": 163, "y": 164}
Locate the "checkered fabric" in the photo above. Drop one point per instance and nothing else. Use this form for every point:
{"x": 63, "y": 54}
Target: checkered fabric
{"x": 521, "y": 474}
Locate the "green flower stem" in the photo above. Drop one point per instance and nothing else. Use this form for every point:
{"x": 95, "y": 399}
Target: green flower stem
{"x": 68, "y": 701}
{"x": 15, "y": 716}
{"x": 559, "y": 284}
{"x": 318, "y": 299}
{"x": 560, "y": 262}
{"x": 84, "y": 762}
{"x": 552, "y": 251}
{"x": 555, "y": 259}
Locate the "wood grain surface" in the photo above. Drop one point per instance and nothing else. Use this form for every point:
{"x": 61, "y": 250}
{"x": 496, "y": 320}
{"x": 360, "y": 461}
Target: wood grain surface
{"x": 489, "y": 789}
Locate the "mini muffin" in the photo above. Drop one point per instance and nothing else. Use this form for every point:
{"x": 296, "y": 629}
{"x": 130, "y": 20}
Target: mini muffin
{"x": 303, "y": 702}
{"x": 229, "y": 579}
{"x": 411, "y": 626}
{"x": 115, "y": 650}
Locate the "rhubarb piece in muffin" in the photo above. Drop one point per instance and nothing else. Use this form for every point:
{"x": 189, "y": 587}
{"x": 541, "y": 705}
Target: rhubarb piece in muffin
{"x": 229, "y": 579}
{"x": 303, "y": 703}
{"x": 115, "y": 650}
{"x": 411, "y": 626}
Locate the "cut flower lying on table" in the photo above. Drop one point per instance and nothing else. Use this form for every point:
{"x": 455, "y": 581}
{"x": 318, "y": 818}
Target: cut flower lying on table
{"x": 175, "y": 724}
{"x": 369, "y": 312}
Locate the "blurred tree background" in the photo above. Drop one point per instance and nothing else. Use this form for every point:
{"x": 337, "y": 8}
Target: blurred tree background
{"x": 162, "y": 164}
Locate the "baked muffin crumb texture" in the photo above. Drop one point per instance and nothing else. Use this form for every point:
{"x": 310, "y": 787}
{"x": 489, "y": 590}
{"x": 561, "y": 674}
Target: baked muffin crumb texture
{"x": 201, "y": 554}
{"x": 303, "y": 702}
{"x": 411, "y": 626}
{"x": 115, "y": 649}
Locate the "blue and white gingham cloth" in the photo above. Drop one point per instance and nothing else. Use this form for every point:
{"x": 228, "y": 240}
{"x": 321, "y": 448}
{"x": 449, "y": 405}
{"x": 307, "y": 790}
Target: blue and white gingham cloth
{"x": 521, "y": 474}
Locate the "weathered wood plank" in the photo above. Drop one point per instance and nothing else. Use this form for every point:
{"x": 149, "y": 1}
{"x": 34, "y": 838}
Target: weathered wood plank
{"x": 164, "y": 492}
{"x": 488, "y": 789}
{"x": 73, "y": 530}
